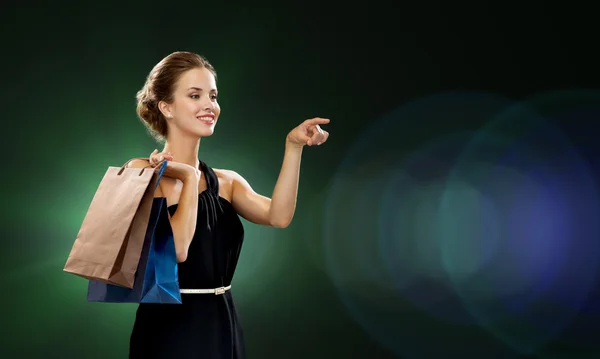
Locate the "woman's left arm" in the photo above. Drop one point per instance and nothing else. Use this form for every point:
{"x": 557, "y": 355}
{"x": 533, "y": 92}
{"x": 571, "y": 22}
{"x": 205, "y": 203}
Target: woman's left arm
{"x": 278, "y": 211}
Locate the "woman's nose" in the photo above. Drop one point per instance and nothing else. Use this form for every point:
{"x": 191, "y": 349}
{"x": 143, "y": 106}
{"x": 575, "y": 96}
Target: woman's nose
{"x": 208, "y": 104}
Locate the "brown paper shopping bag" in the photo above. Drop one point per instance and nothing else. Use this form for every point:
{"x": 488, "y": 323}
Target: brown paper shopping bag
{"x": 109, "y": 243}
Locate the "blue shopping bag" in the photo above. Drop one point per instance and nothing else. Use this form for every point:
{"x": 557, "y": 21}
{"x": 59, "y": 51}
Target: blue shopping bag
{"x": 156, "y": 279}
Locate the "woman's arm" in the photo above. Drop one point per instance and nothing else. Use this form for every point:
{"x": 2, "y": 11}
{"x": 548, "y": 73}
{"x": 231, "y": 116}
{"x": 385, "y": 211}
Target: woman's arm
{"x": 278, "y": 211}
{"x": 285, "y": 193}
{"x": 183, "y": 222}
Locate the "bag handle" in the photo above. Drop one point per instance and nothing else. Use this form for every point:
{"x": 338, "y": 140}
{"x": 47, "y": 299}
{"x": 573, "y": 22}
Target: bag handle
{"x": 160, "y": 169}
{"x": 133, "y": 159}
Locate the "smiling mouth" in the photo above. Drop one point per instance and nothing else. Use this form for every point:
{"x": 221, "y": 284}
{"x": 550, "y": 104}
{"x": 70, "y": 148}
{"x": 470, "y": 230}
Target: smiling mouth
{"x": 207, "y": 119}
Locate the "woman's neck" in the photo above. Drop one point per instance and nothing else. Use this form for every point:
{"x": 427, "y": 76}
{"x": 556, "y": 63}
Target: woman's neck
{"x": 184, "y": 150}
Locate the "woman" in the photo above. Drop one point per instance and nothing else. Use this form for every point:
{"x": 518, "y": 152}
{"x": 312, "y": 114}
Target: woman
{"x": 178, "y": 104}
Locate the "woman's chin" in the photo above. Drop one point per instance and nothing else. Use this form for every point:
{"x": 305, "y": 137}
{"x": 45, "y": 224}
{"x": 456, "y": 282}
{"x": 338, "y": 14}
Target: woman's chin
{"x": 199, "y": 131}
{"x": 206, "y": 132}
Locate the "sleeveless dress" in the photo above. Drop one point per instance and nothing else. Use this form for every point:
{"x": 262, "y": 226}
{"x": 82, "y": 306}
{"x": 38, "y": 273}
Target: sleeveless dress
{"x": 205, "y": 325}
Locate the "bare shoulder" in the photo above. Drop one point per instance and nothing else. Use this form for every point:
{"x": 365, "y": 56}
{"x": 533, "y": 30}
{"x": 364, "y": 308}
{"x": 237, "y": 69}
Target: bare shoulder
{"x": 232, "y": 179}
{"x": 227, "y": 179}
{"x": 227, "y": 176}
{"x": 138, "y": 163}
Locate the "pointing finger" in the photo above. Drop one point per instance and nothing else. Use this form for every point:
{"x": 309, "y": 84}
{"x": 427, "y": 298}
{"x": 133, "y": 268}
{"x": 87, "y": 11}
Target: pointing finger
{"x": 318, "y": 121}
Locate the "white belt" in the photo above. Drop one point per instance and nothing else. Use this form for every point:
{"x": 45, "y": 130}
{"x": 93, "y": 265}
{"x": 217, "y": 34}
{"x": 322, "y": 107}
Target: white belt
{"x": 216, "y": 291}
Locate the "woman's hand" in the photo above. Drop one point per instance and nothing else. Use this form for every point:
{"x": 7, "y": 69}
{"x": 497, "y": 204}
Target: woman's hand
{"x": 177, "y": 170}
{"x": 157, "y": 158}
{"x": 309, "y": 133}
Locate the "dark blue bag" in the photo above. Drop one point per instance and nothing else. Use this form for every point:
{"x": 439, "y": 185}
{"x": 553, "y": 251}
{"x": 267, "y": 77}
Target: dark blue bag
{"x": 156, "y": 279}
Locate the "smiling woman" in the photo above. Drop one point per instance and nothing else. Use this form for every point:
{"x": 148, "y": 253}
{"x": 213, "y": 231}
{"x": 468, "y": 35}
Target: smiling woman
{"x": 178, "y": 104}
{"x": 176, "y": 82}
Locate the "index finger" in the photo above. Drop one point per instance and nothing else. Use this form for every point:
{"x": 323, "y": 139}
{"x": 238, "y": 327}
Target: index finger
{"x": 318, "y": 121}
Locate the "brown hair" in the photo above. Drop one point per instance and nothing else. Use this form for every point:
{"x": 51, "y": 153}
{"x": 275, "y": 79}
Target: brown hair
{"x": 160, "y": 85}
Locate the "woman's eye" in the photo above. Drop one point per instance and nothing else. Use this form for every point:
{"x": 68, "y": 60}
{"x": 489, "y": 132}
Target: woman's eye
{"x": 195, "y": 96}
{"x": 213, "y": 97}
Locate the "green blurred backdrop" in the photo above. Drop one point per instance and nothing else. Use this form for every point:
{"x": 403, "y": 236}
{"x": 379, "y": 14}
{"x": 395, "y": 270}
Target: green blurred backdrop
{"x": 70, "y": 73}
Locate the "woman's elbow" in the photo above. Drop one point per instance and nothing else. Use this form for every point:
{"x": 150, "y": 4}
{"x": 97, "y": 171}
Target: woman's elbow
{"x": 181, "y": 247}
{"x": 181, "y": 256}
{"x": 280, "y": 223}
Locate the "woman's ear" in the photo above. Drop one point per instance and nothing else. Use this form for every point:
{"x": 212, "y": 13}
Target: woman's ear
{"x": 165, "y": 109}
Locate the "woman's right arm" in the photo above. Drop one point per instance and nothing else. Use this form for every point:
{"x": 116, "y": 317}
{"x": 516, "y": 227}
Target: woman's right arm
{"x": 183, "y": 221}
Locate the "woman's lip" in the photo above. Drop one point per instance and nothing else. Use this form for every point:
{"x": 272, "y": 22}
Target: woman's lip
{"x": 207, "y": 121}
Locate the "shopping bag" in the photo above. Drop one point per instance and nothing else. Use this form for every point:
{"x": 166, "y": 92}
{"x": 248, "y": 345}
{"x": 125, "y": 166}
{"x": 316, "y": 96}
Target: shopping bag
{"x": 156, "y": 279}
{"x": 110, "y": 240}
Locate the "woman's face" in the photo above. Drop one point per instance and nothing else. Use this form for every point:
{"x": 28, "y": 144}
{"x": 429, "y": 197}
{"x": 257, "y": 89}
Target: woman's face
{"x": 194, "y": 110}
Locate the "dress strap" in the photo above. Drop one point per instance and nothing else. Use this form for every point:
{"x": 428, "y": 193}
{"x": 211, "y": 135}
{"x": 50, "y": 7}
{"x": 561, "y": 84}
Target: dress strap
{"x": 212, "y": 182}
{"x": 209, "y": 199}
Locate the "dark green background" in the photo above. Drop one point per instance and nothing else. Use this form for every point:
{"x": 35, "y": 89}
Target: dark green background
{"x": 69, "y": 76}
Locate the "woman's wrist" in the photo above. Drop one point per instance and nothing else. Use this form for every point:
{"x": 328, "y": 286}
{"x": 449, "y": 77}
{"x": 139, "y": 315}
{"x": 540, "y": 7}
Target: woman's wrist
{"x": 289, "y": 145}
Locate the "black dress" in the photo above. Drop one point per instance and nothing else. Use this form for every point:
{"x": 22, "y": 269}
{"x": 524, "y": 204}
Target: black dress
{"x": 205, "y": 325}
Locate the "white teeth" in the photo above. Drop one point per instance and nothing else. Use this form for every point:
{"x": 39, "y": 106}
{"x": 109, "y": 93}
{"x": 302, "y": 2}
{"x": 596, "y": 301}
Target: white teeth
{"x": 206, "y": 118}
